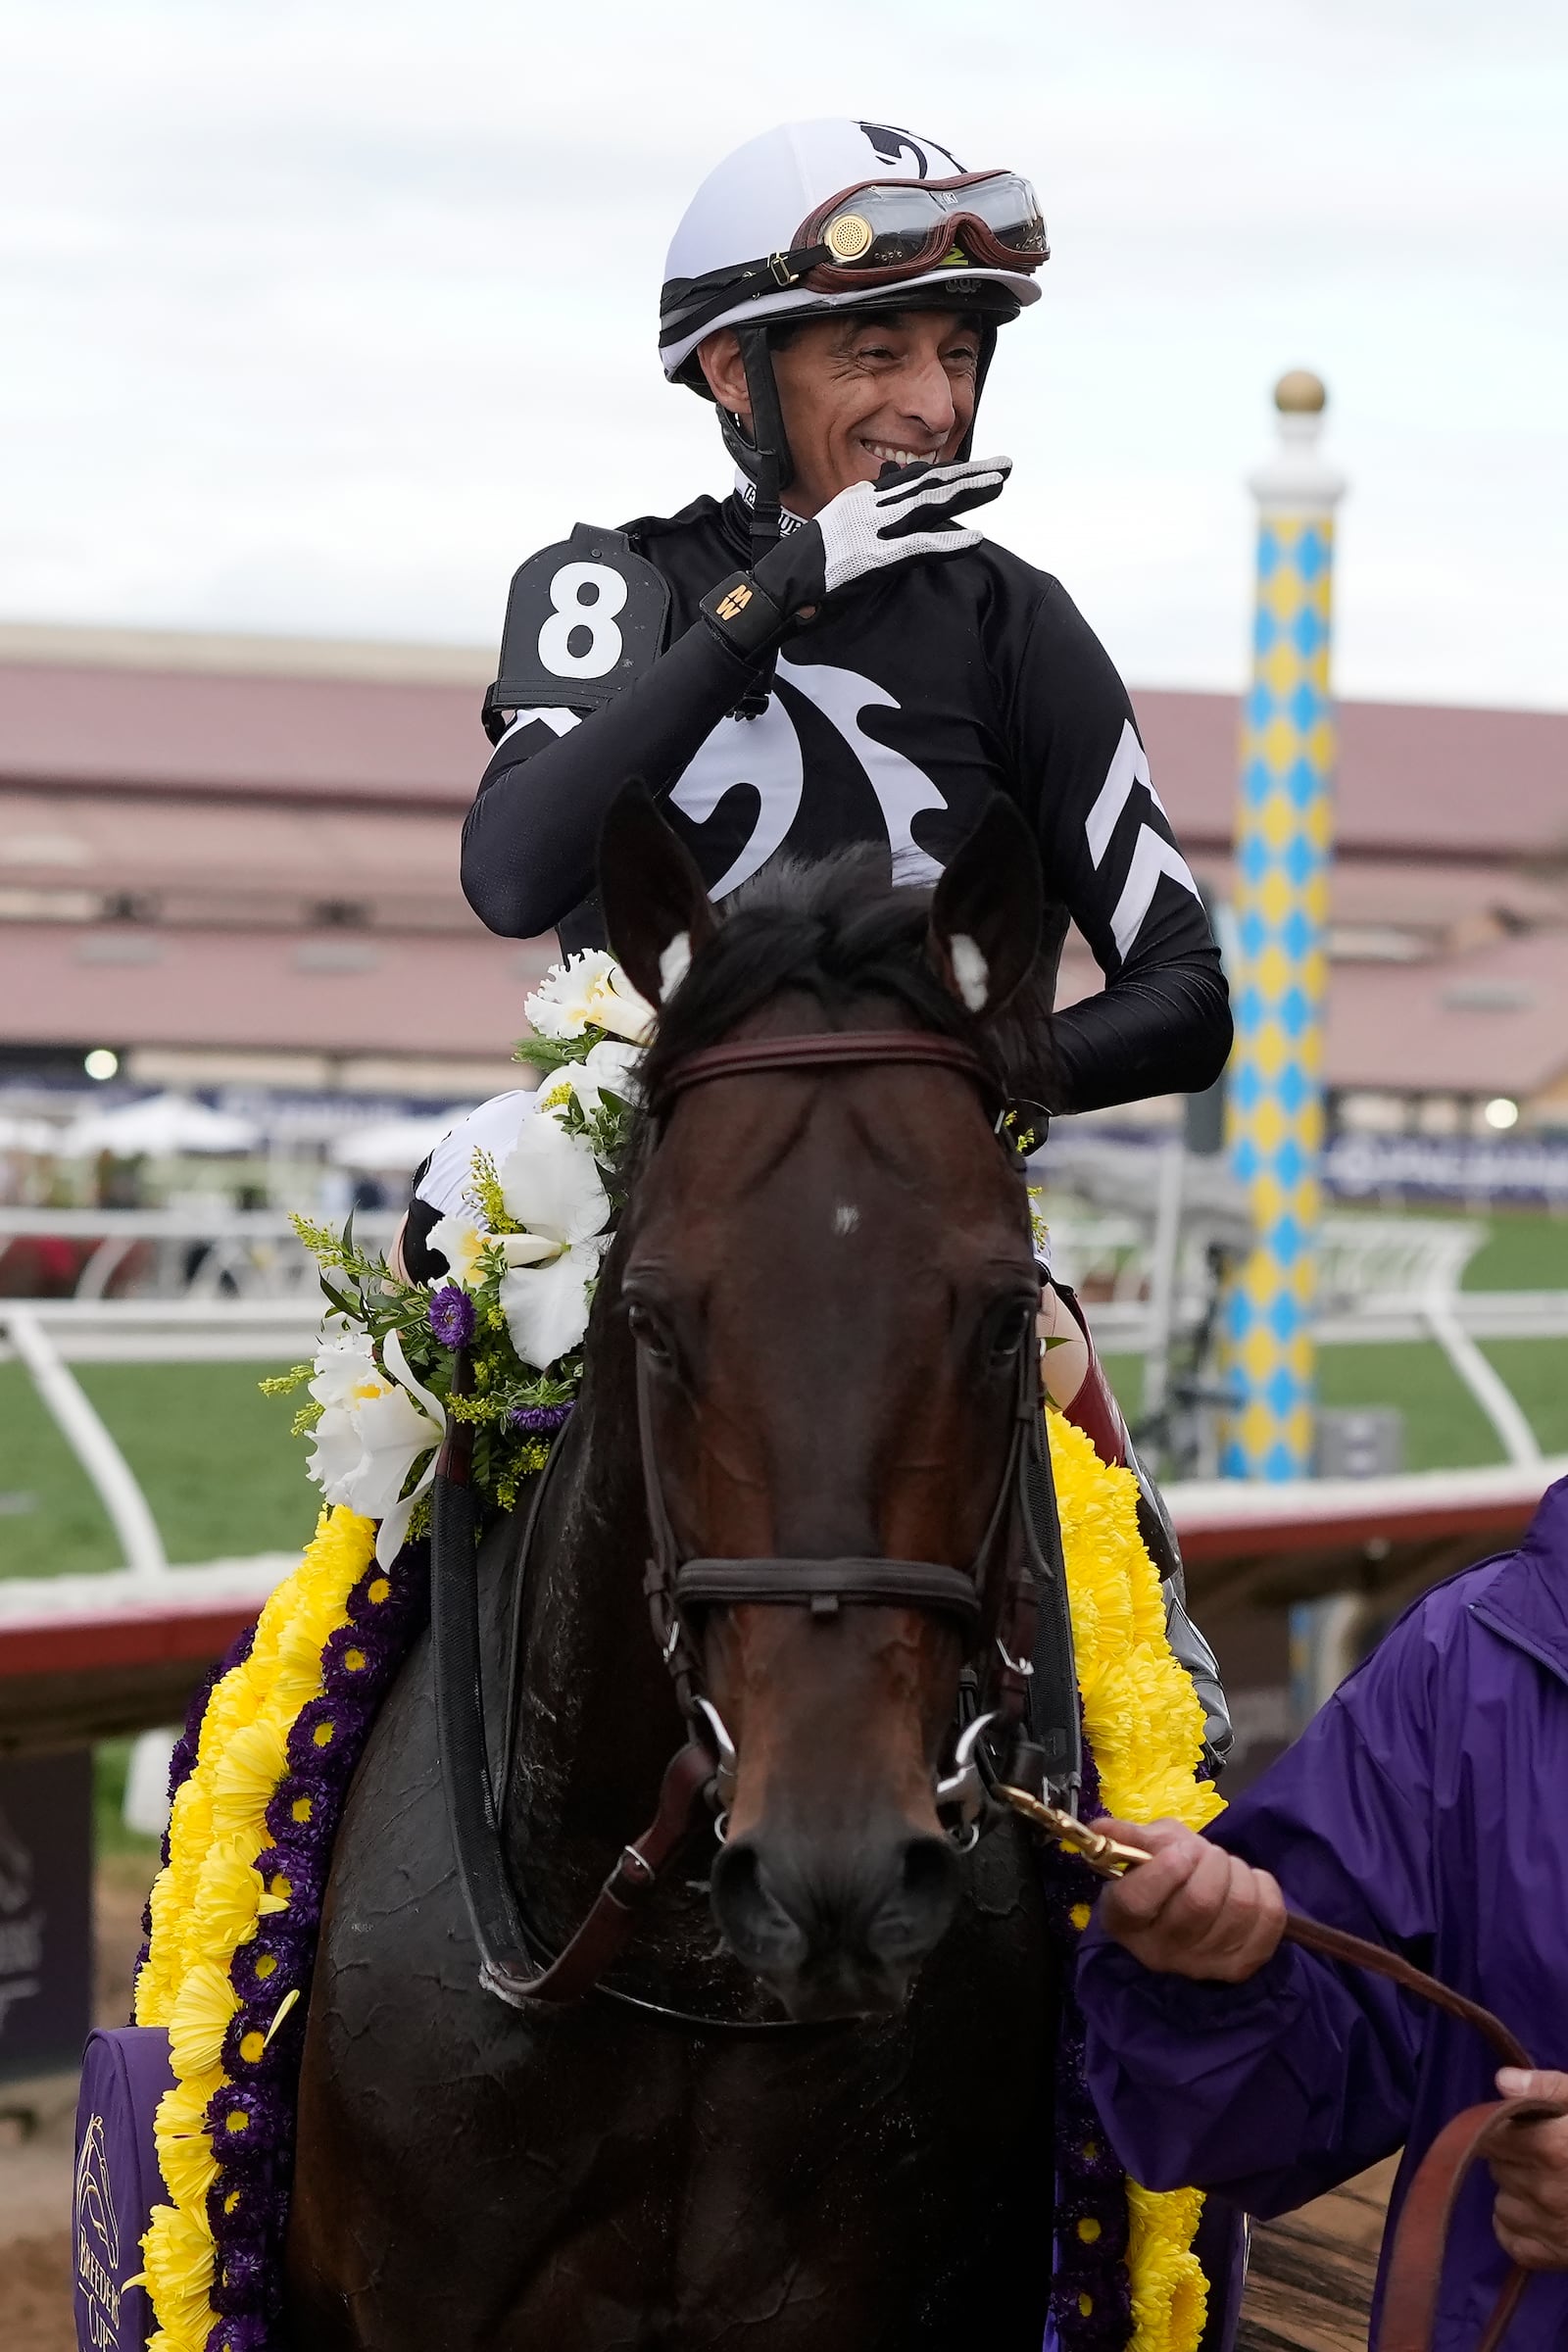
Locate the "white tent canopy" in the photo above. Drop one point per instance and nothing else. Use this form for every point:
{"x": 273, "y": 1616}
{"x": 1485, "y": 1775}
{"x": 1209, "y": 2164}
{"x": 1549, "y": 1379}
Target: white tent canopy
{"x": 394, "y": 1147}
{"x": 159, "y": 1127}
{"x": 29, "y": 1134}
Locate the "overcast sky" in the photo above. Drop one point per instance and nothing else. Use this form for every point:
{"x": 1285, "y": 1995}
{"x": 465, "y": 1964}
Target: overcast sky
{"x": 320, "y": 317}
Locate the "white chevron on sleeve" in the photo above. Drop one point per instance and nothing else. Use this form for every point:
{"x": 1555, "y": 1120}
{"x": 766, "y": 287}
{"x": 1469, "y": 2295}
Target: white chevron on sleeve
{"x": 1129, "y": 766}
{"x": 1152, "y": 855}
{"x": 560, "y": 722}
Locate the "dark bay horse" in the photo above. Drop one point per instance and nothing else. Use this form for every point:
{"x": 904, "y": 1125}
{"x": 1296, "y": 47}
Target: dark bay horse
{"x": 830, "y": 1278}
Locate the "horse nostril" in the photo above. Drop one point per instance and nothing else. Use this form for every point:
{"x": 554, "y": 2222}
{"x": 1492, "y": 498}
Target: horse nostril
{"x": 751, "y": 1921}
{"x": 916, "y": 1912}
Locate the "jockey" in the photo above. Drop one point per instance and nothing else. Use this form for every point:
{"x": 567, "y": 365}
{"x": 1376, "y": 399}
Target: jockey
{"x": 831, "y": 654}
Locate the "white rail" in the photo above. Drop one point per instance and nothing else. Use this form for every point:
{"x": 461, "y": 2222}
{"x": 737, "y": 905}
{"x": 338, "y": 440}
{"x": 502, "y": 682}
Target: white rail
{"x": 116, "y": 1485}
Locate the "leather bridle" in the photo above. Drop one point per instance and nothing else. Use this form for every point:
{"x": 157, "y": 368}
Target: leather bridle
{"x": 1026, "y": 1704}
{"x": 1019, "y": 1705}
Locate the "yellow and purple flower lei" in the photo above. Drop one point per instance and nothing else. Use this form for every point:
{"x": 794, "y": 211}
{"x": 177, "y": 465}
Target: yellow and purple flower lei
{"x": 259, "y": 1783}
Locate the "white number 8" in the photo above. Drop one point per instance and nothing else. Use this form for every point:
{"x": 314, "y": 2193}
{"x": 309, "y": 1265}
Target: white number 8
{"x": 596, "y": 616}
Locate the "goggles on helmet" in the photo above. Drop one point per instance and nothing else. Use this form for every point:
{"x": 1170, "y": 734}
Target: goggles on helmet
{"x": 886, "y": 230}
{"x": 875, "y": 233}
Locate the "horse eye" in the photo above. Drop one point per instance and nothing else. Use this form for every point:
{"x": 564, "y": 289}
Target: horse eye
{"x": 644, "y": 1330}
{"x": 1012, "y": 1330}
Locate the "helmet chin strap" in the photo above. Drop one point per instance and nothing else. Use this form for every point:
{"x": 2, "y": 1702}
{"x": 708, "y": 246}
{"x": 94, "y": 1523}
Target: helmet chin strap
{"x": 763, "y": 455}
{"x": 982, "y": 368}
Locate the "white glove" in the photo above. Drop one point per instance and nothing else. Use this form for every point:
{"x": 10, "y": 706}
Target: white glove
{"x": 871, "y": 526}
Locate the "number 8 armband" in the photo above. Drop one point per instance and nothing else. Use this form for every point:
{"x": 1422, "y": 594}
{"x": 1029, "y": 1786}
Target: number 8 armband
{"x": 584, "y": 618}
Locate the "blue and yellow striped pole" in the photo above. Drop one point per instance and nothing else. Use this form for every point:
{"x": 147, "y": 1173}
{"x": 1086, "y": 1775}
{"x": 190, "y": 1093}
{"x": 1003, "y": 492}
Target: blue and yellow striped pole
{"x": 1284, "y": 834}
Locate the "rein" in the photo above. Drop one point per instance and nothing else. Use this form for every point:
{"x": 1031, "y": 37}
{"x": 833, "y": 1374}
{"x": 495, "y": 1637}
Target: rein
{"x": 1415, "y": 2263}
{"x": 1026, "y": 1691}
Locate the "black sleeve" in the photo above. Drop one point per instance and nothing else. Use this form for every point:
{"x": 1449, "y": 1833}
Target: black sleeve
{"x": 1162, "y": 1023}
{"x": 530, "y": 839}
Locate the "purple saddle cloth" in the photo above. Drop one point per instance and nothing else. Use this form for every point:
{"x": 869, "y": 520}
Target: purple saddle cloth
{"x": 125, "y": 2073}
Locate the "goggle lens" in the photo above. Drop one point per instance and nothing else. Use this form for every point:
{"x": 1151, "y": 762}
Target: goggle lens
{"x": 880, "y": 227}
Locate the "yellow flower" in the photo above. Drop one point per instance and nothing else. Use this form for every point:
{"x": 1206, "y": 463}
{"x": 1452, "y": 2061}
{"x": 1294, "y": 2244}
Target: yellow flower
{"x": 177, "y": 2251}
{"x": 205, "y": 2003}
{"x": 229, "y": 1898}
{"x": 246, "y": 1775}
{"x": 1145, "y": 1728}
{"x": 188, "y": 2166}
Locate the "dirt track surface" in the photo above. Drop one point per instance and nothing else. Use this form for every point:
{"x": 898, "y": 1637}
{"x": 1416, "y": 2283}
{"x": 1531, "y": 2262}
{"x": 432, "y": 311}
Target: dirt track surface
{"x": 36, "y": 2148}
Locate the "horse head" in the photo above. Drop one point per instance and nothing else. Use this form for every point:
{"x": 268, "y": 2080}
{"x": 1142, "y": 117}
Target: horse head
{"x": 827, "y": 1275}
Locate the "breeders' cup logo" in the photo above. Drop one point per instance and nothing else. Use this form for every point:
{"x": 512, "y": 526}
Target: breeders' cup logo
{"x": 892, "y": 146}
{"x": 95, "y": 2204}
{"x": 97, "y": 2241}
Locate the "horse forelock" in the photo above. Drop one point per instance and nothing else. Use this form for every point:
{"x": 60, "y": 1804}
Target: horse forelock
{"x": 837, "y": 930}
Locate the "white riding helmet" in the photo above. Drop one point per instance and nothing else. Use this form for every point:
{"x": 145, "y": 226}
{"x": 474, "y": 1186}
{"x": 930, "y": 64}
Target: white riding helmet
{"x": 754, "y": 205}
{"x": 833, "y": 216}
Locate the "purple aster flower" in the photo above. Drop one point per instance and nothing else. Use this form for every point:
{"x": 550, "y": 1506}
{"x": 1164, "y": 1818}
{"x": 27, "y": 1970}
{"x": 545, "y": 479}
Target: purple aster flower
{"x": 246, "y": 2208}
{"x": 539, "y": 1420}
{"x": 324, "y": 1728}
{"x": 266, "y": 1967}
{"x": 241, "y": 2277}
{"x": 384, "y": 1597}
{"x": 244, "y": 2120}
{"x": 253, "y": 2051}
{"x": 300, "y": 1878}
{"x": 349, "y": 1659}
{"x": 453, "y": 1319}
{"x": 239, "y": 2333}
{"x": 302, "y": 1812}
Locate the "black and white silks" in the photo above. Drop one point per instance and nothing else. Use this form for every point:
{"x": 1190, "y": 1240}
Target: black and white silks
{"x": 921, "y": 688}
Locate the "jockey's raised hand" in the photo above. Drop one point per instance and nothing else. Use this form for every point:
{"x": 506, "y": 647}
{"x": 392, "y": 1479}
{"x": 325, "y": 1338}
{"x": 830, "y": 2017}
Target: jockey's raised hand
{"x": 908, "y": 513}
{"x": 1193, "y": 1910}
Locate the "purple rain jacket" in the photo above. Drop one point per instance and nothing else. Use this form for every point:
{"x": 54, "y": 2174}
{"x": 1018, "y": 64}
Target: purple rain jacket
{"x": 1426, "y": 1806}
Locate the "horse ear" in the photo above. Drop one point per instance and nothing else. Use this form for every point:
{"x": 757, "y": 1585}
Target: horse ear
{"x": 987, "y": 910}
{"x": 657, "y": 910}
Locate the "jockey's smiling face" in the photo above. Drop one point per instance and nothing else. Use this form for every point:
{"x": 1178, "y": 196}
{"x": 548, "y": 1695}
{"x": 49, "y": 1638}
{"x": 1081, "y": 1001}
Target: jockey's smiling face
{"x": 858, "y": 392}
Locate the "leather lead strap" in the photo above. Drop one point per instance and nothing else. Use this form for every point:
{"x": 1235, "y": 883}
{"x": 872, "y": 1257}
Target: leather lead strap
{"x": 1415, "y": 2265}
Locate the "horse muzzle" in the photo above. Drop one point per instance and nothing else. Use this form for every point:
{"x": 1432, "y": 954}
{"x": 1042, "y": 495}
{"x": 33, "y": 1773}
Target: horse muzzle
{"x": 835, "y": 1935}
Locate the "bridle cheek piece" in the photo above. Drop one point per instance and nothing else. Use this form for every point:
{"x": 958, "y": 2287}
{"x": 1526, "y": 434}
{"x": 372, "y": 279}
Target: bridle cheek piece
{"x": 1018, "y": 1689}
{"x": 993, "y": 1704}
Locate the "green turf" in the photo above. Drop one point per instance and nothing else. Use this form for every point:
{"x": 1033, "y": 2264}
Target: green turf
{"x": 1443, "y": 1426}
{"x": 1526, "y": 1251}
{"x": 224, "y": 1478}
{"x": 221, "y": 1474}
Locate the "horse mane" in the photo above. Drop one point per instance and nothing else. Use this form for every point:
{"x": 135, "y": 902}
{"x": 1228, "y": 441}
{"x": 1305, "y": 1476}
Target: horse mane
{"x": 840, "y": 930}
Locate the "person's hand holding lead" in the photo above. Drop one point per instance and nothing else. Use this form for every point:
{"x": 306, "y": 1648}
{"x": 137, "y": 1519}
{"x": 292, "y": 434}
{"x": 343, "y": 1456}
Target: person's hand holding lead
{"x": 1192, "y": 1909}
{"x": 1530, "y": 2169}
